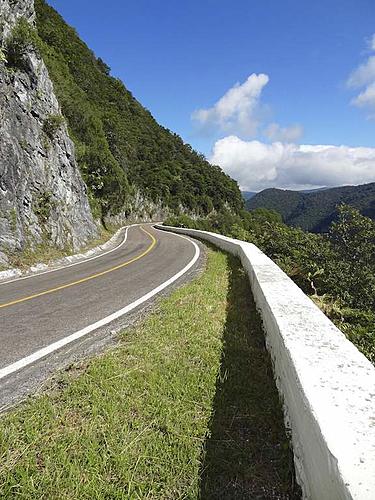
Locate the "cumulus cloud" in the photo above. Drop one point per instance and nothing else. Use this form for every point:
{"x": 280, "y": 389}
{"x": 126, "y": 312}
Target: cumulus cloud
{"x": 363, "y": 78}
{"x": 366, "y": 99}
{"x": 237, "y": 110}
{"x": 363, "y": 75}
{"x": 256, "y": 165}
{"x": 284, "y": 134}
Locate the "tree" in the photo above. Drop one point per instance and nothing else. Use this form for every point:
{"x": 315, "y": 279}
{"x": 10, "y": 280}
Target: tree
{"x": 354, "y": 235}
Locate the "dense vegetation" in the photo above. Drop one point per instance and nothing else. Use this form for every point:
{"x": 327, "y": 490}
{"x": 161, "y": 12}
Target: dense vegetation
{"x": 315, "y": 211}
{"x": 120, "y": 147}
{"x": 336, "y": 269}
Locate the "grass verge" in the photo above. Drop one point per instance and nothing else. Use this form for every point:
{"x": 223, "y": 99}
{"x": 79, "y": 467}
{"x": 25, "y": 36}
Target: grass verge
{"x": 45, "y": 253}
{"x": 171, "y": 413}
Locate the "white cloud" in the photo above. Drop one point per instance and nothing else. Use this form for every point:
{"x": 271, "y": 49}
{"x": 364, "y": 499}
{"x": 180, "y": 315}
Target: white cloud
{"x": 236, "y": 111}
{"x": 285, "y": 134}
{"x": 363, "y": 75}
{"x": 363, "y": 78}
{"x": 366, "y": 99}
{"x": 256, "y": 165}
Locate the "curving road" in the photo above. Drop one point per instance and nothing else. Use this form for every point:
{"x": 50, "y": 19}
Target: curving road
{"x": 44, "y": 315}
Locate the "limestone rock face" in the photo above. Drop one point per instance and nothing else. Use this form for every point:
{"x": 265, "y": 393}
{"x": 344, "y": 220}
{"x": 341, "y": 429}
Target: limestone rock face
{"x": 42, "y": 194}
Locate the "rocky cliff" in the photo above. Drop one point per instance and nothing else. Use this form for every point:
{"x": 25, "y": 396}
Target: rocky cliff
{"x": 42, "y": 195}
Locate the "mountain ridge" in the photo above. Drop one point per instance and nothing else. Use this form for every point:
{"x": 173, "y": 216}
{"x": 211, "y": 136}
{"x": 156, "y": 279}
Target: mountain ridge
{"x": 123, "y": 153}
{"x": 316, "y": 210}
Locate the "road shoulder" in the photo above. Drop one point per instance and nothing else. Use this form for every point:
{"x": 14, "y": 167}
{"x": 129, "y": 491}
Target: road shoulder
{"x": 34, "y": 378}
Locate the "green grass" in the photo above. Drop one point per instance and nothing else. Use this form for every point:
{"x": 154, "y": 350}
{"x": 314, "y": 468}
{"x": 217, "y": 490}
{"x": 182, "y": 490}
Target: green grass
{"x": 248, "y": 454}
{"x": 184, "y": 406}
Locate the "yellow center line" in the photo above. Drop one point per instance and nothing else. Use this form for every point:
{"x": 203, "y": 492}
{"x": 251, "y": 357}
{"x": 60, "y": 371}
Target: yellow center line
{"x": 88, "y": 278}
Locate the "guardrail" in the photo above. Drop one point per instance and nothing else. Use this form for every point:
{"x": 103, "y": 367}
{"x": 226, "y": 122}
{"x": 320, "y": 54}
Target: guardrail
{"x": 327, "y": 386}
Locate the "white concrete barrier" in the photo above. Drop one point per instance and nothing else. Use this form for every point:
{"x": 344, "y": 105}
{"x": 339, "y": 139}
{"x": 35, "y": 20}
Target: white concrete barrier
{"x": 327, "y": 386}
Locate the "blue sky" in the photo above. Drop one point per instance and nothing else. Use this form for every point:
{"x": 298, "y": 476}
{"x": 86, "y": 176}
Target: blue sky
{"x": 180, "y": 57}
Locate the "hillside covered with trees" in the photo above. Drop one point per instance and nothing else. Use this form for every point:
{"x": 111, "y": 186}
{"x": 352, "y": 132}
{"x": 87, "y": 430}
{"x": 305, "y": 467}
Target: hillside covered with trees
{"x": 315, "y": 211}
{"x": 121, "y": 149}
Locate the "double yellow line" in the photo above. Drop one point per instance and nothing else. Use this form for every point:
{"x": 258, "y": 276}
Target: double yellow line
{"x": 88, "y": 278}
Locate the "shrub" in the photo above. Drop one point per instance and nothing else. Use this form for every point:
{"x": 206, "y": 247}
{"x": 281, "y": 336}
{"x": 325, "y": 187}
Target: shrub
{"x": 180, "y": 221}
{"x": 43, "y": 207}
{"x": 22, "y": 39}
{"x": 353, "y": 235}
{"x": 52, "y": 125}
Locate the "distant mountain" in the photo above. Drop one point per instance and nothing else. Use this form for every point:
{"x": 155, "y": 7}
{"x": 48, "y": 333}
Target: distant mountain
{"x": 247, "y": 195}
{"x": 314, "y": 211}
{"x": 312, "y": 190}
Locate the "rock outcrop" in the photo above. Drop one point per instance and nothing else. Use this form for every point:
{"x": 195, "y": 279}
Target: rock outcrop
{"x": 42, "y": 194}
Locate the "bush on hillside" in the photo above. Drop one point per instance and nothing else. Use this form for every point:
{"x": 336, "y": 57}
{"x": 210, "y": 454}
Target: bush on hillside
{"x": 52, "y": 125}
{"x": 22, "y": 38}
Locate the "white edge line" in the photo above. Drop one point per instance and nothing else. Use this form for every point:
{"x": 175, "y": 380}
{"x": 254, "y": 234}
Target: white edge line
{"x": 83, "y": 261}
{"x": 41, "y": 353}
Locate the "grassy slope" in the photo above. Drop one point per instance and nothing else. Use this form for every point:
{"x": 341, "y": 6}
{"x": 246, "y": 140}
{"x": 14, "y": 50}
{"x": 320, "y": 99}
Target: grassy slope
{"x": 133, "y": 423}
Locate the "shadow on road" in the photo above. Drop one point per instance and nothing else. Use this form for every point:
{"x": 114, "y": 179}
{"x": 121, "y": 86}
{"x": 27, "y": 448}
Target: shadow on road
{"x": 247, "y": 455}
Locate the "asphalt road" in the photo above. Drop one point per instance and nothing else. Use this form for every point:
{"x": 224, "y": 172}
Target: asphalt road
{"x": 44, "y": 310}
